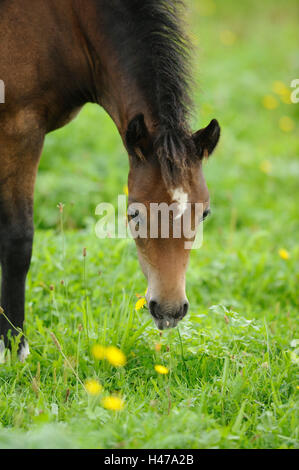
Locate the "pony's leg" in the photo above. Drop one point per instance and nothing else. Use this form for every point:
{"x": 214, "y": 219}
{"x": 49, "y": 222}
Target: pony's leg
{"x": 18, "y": 167}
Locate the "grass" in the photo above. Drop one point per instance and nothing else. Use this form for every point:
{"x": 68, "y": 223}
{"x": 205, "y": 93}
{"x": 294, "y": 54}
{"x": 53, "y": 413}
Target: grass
{"x": 233, "y": 363}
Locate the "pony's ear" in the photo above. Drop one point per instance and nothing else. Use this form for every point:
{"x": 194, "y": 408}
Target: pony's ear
{"x": 137, "y": 137}
{"x": 206, "y": 139}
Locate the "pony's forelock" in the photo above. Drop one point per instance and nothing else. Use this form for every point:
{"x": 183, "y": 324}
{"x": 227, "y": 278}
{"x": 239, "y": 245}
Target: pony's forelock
{"x": 153, "y": 49}
{"x": 175, "y": 150}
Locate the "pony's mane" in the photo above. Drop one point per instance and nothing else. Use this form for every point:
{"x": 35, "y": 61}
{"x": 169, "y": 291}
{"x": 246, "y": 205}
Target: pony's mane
{"x": 153, "y": 49}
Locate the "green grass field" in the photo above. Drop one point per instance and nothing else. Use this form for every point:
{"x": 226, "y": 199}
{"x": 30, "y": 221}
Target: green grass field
{"x": 233, "y": 363}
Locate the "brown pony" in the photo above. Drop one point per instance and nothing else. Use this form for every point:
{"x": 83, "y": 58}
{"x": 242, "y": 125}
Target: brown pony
{"x": 131, "y": 57}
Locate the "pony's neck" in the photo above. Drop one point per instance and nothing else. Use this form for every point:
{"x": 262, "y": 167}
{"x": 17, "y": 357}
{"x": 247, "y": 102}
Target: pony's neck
{"x": 120, "y": 95}
{"x": 112, "y": 86}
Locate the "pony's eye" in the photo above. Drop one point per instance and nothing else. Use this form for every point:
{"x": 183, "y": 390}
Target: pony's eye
{"x": 206, "y": 213}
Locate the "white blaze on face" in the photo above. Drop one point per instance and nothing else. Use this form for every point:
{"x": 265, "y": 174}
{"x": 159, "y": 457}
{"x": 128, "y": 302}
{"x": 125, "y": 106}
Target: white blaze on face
{"x": 181, "y": 197}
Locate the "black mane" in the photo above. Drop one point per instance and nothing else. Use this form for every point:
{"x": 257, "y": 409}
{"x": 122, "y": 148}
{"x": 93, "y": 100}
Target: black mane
{"x": 149, "y": 38}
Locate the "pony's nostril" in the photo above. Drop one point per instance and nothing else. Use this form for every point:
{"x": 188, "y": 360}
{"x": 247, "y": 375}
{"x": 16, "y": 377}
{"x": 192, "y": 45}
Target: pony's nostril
{"x": 185, "y": 308}
{"x": 153, "y": 307}
{"x": 182, "y": 312}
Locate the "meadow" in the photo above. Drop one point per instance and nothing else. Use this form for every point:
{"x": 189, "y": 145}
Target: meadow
{"x": 232, "y": 363}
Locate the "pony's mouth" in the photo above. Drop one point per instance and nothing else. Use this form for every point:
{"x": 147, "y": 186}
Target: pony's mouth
{"x": 167, "y": 318}
{"x": 166, "y": 323}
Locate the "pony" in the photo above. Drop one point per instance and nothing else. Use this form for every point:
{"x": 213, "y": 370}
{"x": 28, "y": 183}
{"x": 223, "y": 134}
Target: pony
{"x": 131, "y": 57}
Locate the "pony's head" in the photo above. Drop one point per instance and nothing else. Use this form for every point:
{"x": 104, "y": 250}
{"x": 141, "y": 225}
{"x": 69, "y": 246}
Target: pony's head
{"x": 167, "y": 185}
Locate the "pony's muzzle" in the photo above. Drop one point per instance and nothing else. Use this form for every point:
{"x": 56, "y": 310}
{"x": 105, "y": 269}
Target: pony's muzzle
{"x": 166, "y": 317}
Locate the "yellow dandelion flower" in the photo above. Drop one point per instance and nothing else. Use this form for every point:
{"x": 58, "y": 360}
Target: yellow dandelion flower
{"x": 140, "y": 304}
{"x": 208, "y": 8}
{"x": 161, "y": 369}
{"x": 113, "y": 403}
{"x": 158, "y": 347}
{"x": 286, "y": 98}
{"x": 284, "y": 254}
{"x": 280, "y": 88}
{"x": 126, "y": 190}
{"x": 297, "y": 387}
{"x": 283, "y": 91}
{"x": 228, "y": 38}
{"x": 266, "y": 166}
{"x": 286, "y": 124}
{"x": 115, "y": 356}
{"x": 93, "y": 387}
{"x": 98, "y": 351}
{"x": 269, "y": 102}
